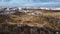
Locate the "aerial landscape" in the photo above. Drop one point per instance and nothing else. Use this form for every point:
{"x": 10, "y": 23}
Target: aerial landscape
{"x": 30, "y": 17}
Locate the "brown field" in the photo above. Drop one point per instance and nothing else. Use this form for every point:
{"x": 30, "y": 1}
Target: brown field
{"x": 23, "y": 23}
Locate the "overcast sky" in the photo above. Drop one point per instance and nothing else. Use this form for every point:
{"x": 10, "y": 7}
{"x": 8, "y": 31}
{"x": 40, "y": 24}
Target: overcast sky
{"x": 29, "y": 3}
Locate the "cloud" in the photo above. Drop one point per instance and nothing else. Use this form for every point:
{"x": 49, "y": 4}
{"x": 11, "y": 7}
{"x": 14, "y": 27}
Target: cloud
{"x": 37, "y": 3}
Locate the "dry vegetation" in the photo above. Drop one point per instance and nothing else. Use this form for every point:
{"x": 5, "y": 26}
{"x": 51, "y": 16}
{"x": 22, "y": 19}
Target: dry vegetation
{"x": 47, "y": 20}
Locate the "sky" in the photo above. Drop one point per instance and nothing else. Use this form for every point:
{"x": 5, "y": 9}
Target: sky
{"x": 30, "y": 3}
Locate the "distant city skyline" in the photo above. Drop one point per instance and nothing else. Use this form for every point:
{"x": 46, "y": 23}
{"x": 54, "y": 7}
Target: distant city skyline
{"x": 30, "y": 3}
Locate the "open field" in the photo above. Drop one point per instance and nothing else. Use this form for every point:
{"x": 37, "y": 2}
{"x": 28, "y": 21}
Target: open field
{"x": 27, "y": 23}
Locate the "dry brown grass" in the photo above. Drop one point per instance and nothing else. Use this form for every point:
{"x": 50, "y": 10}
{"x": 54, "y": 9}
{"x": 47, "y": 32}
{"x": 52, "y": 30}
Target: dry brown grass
{"x": 49, "y": 20}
